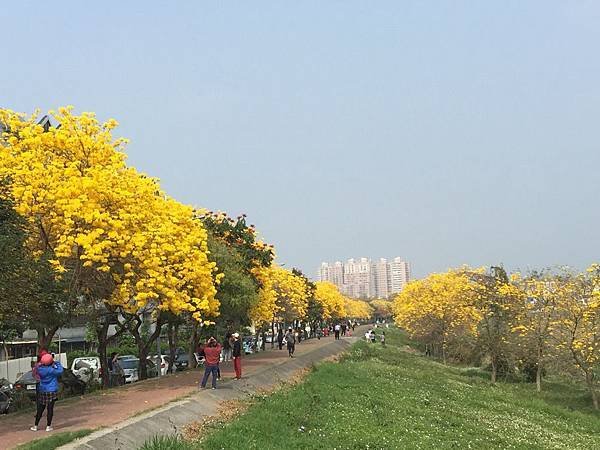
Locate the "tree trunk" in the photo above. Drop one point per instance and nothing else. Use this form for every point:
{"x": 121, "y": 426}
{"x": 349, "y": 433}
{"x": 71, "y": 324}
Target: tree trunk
{"x": 273, "y": 333}
{"x": 192, "y": 345}
{"x": 102, "y": 335}
{"x": 172, "y": 333}
{"x": 5, "y": 349}
{"x": 538, "y": 377}
{"x": 143, "y": 355}
{"x": 144, "y": 347}
{"x": 257, "y": 334}
{"x": 589, "y": 380}
{"x": 45, "y": 337}
{"x": 494, "y": 370}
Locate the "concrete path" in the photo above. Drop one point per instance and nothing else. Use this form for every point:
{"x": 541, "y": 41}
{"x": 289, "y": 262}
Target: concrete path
{"x": 127, "y": 417}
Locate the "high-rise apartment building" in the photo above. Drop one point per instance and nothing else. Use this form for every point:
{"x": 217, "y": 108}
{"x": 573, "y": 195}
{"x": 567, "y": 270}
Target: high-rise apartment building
{"x": 357, "y": 278}
{"x": 381, "y": 279}
{"x": 363, "y": 278}
{"x": 332, "y": 272}
{"x": 399, "y": 274}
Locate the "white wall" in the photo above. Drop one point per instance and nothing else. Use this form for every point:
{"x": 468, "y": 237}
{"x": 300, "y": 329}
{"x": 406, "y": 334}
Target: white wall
{"x": 14, "y": 368}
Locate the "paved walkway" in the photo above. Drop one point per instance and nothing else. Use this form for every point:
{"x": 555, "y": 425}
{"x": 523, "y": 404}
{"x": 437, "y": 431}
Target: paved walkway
{"x": 143, "y": 403}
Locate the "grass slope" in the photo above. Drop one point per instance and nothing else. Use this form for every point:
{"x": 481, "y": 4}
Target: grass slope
{"x": 54, "y": 441}
{"x": 389, "y": 398}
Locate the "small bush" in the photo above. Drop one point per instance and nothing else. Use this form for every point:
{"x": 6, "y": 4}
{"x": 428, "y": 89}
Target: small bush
{"x": 167, "y": 443}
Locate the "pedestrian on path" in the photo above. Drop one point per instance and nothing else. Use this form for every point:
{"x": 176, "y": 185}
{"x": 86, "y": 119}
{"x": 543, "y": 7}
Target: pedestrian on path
{"x": 116, "y": 372}
{"x": 237, "y": 355}
{"x": 48, "y": 371}
{"x": 336, "y": 330}
{"x": 280, "y": 338}
{"x": 290, "y": 337}
{"x": 227, "y": 349}
{"x": 212, "y": 354}
{"x": 34, "y": 370}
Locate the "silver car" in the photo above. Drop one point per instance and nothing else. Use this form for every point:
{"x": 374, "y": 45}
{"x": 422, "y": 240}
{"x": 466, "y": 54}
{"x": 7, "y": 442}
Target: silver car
{"x": 131, "y": 369}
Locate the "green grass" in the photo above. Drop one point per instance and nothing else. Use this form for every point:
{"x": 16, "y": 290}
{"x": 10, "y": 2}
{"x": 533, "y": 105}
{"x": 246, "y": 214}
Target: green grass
{"x": 390, "y": 398}
{"x": 54, "y": 441}
{"x": 168, "y": 443}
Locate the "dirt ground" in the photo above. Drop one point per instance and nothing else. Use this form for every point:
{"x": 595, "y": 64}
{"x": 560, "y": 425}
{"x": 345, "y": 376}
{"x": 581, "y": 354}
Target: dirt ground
{"x": 112, "y": 406}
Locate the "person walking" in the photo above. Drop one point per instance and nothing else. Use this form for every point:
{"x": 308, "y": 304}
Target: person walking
{"x": 280, "y": 338}
{"x": 237, "y": 355}
{"x": 48, "y": 371}
{"x": 290, "y": 337}
{"x": 227, "y": 349}
{"x": 382, "y": 338}
{"x": 336, "y": 330}
{"x": 212, "y": 354}
{"x": 116, "y": 372}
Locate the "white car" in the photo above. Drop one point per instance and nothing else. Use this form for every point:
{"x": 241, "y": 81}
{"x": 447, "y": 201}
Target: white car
{"x": 86, "y": 368}
{"x": 163, "y": 363}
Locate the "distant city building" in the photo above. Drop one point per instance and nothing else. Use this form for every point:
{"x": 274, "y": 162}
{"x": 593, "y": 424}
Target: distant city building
{"x": 381, "y": 278}
{"x": 399, "y": 274}
{"x": 363, "y": 278}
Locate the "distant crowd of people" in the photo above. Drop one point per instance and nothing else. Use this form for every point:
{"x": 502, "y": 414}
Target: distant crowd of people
{"x": 371, "y": 336}
{"x": 212, "y": 352}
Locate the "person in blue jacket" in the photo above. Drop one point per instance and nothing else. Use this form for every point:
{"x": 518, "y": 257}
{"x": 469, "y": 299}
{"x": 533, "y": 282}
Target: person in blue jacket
{"x": 48, "y": 371}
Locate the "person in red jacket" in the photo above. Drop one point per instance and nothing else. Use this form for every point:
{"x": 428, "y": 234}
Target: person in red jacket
{"x": 212, "y": 355}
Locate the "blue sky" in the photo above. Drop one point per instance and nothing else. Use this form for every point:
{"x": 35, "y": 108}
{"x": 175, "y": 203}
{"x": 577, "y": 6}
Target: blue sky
{"x": 445, "y": 132}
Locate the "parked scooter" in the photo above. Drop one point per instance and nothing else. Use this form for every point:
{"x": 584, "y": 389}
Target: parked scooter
{"x": 6, "y": 395}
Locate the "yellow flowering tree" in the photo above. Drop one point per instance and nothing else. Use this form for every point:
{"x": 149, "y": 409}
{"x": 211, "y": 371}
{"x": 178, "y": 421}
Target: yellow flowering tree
{"x": 282, "y": 296}
{"x": 494, "y": 297}
{"x": 357, "y": 309}
{"x": 439, "y": 310}
{"x": 535, "y": 319}
{"x": 110, "y": 230}
{"x": 330, "y": 299}
{"x": 579, "y": 322}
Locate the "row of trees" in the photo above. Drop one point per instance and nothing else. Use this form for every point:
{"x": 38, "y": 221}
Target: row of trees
{"x": 542, "y": 322}
{"x": 83, "y": 234}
